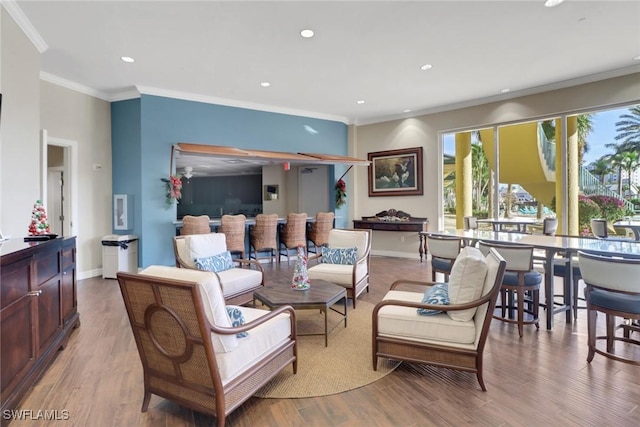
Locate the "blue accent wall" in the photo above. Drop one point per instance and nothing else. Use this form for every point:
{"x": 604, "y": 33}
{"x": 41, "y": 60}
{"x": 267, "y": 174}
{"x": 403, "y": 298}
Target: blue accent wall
{"x": 144, "y": 129}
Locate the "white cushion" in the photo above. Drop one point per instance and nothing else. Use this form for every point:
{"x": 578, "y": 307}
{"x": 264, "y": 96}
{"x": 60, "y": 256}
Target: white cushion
{"x": 205, "y": 245}
{"x": 211, "y": 293}
{"x": 349, "y": 239}
{"x": 261, "y": 340}
{"x": 466, "y": 281}
{"x": 340, "y": 274}
{"x": 239, "y": 280}
{"x": 406, "y": 323}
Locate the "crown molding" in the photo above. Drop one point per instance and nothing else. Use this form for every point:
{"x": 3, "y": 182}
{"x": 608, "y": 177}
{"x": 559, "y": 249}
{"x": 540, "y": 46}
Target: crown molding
{"x": 11, "y": 6}
{"x": 239, "y": 104}
{"x": 73, "y": 86}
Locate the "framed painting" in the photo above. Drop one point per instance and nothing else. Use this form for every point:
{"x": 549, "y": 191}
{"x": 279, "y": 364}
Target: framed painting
{"x": 396, "y": 172}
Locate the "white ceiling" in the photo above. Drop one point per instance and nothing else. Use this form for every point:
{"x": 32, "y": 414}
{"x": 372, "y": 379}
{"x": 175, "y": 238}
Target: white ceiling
{"x": 220, "y": 51}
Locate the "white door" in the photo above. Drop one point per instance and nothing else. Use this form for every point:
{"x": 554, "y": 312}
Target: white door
{"x": 55, "y": 191}
{"x": 313, "y": 196}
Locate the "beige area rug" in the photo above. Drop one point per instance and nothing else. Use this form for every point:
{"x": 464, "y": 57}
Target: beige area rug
{"x": 344, "y": 365}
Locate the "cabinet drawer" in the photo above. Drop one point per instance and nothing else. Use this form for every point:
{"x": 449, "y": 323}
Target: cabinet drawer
{"x": 15, "y": 281}
{"x": 47, "y": 266}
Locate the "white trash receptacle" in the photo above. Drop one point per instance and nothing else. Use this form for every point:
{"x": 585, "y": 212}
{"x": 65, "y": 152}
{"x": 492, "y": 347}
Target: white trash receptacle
{"x": 119, "y": 253}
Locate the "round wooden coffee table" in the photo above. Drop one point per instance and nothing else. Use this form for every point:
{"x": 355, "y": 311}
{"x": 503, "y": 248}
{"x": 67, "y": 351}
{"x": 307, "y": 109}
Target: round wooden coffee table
{"x": 322, "y": 295}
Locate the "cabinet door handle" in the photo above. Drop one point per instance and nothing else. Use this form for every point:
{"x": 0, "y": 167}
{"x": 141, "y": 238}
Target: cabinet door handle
{"x": 35, "y": 293}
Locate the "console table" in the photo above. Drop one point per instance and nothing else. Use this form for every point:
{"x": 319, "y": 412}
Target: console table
{"x": 38, "y": 311}
{"x": 393, "y": 220}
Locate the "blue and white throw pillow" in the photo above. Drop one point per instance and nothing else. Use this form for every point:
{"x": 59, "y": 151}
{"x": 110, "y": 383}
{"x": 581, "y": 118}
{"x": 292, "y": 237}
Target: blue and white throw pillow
{"x": 347, "y": 256}
{"x": 215, "y": 263}
{"x": 437, "y": 294}
{"x": 237, "y": 319}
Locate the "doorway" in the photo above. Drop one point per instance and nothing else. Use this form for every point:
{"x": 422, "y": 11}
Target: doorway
{"x": 59, "y": 186}
{"x": 312, "y": 189}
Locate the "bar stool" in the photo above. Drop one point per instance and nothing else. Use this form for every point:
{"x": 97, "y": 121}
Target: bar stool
{"x": 444, "y": 251}
{"x": 293, "y": 234}
{"x": 195, "y": 225}
{"x": 318, "y": 232}
{"x": 519, "y": 278}
{"x": 262, "y": 236}
{"x": 233, "y": 228}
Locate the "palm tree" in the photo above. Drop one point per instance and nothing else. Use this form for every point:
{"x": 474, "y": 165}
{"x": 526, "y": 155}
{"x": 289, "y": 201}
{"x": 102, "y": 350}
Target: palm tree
{"x": 601, "y": 168}
{"x": 585, "y": 127}
{"x": 480, "y": 173}
{"x": 629, "y": 161}
{"x": 628, "y": 129}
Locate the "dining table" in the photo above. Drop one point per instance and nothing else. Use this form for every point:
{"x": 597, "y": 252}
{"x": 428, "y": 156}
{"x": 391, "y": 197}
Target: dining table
{"x": 567, "y": 246}
{"x": 633, "y": 225}
{"x": 517, "y": 224}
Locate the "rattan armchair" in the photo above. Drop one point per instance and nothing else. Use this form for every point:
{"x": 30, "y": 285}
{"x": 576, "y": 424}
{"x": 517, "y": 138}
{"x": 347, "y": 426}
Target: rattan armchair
{"x": 195, "y": 225}
{"x": 293, "y": 234}
{"x": 354, "y": 277}
{"x": 237, "y": 283}
{"x": 262, "y": 236}
{"x": 318, "y": 231}
{"x": 233, "y": 228}
{"x": 442, "y": 339}
{"x": 189, "y": 350}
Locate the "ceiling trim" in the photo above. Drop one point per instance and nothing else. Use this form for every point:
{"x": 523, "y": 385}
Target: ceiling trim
{"x": 11, "y": 6}
{"x": 73, "y": 86}
{"x": 239, "y": 104}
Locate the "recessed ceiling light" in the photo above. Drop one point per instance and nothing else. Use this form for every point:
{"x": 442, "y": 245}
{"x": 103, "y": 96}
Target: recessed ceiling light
{"x": 127, "y": 59}
{"x": 505, "y": 90}
{"x": 426, "y": 67}
{"x": 636, "y": 58}
{"x": 552, "y": 3}
{"x": 265, "y": 84}
{"x": 406, "y": 111}
{"x": 360, "y": 101}
{"x": 307, "y": 34}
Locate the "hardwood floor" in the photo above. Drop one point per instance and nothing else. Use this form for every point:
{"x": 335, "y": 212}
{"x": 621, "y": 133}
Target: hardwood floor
{"x": 542, "y": 379}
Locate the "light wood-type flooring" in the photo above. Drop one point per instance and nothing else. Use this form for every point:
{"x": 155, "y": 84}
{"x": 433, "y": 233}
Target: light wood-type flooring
{"x": 542, "y": 379}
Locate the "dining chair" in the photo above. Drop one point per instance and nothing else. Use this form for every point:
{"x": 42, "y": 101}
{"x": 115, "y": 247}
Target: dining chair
{"x": 470, "y": 222}
{"x": 612, "y": 289}
{"x": 520, "y": 278}
{"x": 444, "y": 251}
{"x": 549, "y": 226}
{"x": 599, "y": 228}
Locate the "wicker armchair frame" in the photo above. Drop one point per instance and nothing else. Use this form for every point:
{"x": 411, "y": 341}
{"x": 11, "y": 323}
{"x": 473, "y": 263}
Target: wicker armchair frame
{"x": 440, "y": 353}
{"x": 184, "y": 369}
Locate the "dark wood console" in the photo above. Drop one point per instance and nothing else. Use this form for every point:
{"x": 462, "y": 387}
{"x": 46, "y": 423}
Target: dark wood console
{"x": 393, "y": 220}
{"x": 38, "y": 311}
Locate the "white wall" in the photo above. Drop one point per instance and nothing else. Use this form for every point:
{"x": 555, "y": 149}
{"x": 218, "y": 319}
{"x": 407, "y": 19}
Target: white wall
{"x": 20, "y": 148}
{"x": 423, "y": 131}
{"x": 74, "y": 116}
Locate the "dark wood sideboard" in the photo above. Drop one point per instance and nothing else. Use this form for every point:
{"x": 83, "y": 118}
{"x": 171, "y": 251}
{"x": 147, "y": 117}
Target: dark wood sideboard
{"x": 38, "y": 311}
{"x": 393, "y": 220}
